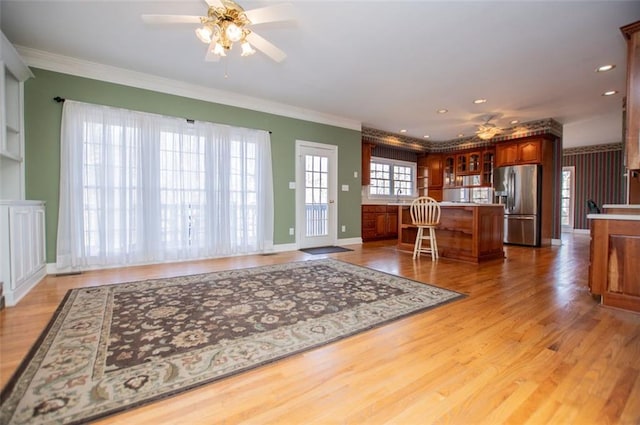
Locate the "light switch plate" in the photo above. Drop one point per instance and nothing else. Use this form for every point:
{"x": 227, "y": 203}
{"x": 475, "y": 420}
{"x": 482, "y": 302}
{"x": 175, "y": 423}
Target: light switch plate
{"x": 292, "y": 185}
{"x": 345, "y": 187}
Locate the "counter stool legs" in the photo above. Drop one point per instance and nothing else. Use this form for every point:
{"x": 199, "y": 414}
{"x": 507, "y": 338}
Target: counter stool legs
{"x": 433, "y": 243}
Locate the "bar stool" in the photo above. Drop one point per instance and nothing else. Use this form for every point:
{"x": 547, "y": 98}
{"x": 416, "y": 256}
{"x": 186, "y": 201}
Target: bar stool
{"x": 425, "y": 214}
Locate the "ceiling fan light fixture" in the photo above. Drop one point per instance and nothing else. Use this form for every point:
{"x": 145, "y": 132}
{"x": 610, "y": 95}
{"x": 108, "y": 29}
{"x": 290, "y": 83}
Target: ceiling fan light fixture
{"x": 233, "y": 32}
{"x": 247, "y": 50}
{"x": 204, "y": 34}
{"x": 219, "y": 50}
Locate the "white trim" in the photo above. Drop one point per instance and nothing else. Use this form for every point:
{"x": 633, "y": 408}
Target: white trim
{"x": 556, "y": 242}
{"x": 81, "y": 68}
{"x": 349, "y": 241}
{"x": 331, "y": 151}
{"x": 582, "y": 231}
{"x": 12, "y": 296}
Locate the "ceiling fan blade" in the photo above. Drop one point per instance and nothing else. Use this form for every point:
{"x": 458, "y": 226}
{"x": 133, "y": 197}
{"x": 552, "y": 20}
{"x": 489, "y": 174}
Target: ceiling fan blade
{"x": 275, "y": 13}
{"x": 266, "y": 47}
{"x": 171, "y": 19}
{"x": 210, "y": 56}
{"x": 214, "y": 3}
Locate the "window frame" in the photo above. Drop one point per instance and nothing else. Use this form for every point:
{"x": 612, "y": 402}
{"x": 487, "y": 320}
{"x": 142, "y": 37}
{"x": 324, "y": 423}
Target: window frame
{"x": 392, "y": 163}
{"x": 572, "y": 197}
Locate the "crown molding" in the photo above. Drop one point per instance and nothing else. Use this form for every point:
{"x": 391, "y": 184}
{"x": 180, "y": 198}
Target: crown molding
{"x": 97, "y": 71}
{"x": 527, "y": 129}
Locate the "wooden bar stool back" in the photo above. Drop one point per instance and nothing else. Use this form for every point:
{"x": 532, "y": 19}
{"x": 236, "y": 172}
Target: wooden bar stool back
{"x": 425, "y": 215}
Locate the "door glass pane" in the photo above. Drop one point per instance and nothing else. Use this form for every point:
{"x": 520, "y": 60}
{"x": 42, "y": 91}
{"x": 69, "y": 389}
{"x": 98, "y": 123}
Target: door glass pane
{"x": 316, "y": 199}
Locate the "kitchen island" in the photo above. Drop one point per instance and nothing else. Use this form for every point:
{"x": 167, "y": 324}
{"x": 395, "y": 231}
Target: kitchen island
{"x": 614, "y": 254}
{"x": 467, "y": 231}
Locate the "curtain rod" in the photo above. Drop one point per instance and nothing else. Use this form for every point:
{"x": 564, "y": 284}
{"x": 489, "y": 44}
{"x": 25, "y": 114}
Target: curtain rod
{"x": 189, "y": 120}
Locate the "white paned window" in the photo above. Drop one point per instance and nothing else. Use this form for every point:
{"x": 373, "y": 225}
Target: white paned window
{"x": 392, "y": 178}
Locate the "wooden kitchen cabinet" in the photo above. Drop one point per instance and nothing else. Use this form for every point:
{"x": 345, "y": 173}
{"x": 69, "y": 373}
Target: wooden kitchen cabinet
{"x": 613, "y": 267}
{"x": 379, "y": 222}
{"x": 367, "y": 149}
{"x": 430, "y": 176}
{"x": 515, "y": 153}
{"x": 468, "y": 163}
{"x": 631, "y": 33}
{"x": 449, "y": 171}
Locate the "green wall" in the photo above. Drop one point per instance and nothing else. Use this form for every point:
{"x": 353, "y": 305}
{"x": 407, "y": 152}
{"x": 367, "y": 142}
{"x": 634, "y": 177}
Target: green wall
{"x": 42, "y": 144}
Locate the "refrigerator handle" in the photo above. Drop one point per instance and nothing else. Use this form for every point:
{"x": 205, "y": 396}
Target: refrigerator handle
{"x": 512, "y": 191}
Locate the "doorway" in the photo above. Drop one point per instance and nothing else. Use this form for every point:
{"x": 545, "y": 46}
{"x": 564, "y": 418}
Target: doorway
{"x": 316, "y": 190}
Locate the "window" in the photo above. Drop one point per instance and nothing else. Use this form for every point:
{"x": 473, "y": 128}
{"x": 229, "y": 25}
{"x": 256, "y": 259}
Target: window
{"x": 138, "y": 188}
{"x": 392, "y": 178}
{"x": 567, "y": 197}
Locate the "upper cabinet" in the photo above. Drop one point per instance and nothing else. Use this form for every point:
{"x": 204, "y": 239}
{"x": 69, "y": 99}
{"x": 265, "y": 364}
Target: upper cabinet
{"x": 514, "y": 153}
{"x": 430, "y": 176}
{"x": 367, "y": 149}
{"x": 14, "y": 73}
{"x": 632, "y": 137}
{"x": 468, "y": 168}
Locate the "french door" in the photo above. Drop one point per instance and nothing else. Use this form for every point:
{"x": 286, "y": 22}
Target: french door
{"x": 316, "y": 190}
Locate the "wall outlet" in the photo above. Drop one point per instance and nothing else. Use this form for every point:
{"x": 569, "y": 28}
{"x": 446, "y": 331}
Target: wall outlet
{"x": 355, "y": 174}
{"x": 344, "y": 228}
{"x": 291, "y": 231}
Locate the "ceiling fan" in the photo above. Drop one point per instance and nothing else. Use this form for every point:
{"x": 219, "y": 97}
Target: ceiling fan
{"x": 488, "y": 130}
{"x": 227, "y": 23}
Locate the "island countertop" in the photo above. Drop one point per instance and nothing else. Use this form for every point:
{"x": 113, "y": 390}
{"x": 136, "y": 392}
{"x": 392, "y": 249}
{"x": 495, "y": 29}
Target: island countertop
{"x": 467, "y": 231}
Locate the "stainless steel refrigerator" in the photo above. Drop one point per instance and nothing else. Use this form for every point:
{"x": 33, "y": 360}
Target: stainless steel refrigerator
{"x": 518, "y": 188}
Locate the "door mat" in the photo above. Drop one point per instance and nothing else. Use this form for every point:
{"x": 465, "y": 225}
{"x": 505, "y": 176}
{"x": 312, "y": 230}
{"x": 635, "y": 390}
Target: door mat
{"x": 325, "y": 250}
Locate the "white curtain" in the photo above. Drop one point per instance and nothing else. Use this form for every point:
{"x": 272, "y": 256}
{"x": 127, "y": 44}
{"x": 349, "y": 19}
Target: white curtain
{"x": 141, "y": 188}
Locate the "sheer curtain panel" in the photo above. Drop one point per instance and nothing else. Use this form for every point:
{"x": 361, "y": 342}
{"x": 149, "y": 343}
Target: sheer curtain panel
{"x": 141, "y": 188}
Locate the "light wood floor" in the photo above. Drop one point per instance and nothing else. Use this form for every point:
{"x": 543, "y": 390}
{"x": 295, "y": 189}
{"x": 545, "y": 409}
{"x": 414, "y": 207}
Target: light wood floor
{"x": 528, "y": 345}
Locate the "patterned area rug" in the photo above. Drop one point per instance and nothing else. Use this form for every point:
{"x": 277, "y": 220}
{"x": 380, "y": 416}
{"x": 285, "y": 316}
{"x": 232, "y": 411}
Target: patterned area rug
{"x": 113, "y": 347}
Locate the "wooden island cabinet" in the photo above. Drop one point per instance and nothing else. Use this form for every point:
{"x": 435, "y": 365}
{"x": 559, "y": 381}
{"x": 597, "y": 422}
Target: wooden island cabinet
{"x": 614, "y": 255}
{"x": 379, "y": 222}
{"x": 467, "y": 231}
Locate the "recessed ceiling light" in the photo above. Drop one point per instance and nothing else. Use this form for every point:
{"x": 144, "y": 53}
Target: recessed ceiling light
{"x": 443, "y": 111}
{"x": 426, "y": 136}
{"x": 610, "y": 93}
{"x": 479, "y": 101}
{"x": 514, "y": 122}
{"x": 403, "y": 131}
{"x": 461, "y": 135}
{"x": 605, "y": 68}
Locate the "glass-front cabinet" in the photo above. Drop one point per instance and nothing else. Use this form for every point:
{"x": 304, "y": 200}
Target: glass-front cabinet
{"x": 449, "y": 174}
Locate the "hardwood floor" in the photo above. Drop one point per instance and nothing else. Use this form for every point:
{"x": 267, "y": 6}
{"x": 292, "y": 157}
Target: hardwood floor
{"x": 529, "y": 345}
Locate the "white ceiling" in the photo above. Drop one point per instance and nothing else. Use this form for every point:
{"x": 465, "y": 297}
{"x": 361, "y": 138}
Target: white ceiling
{"x": 386, "y": 64}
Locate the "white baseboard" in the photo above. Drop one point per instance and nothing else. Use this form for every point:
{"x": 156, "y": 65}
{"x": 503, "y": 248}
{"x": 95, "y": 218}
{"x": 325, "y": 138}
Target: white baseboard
{"x": 12, "y": 296}
{"x": 557, "y": 242}
{"x": 349, "y": 241}
{"x": 582, "y": 231}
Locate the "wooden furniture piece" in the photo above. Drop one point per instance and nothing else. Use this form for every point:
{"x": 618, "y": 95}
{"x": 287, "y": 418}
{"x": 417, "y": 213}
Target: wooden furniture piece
{"x": 467, "y": 232}
{"x": 614, "y": 254}
{"x": 425, "y": 215}
{"x": 631, "y": 33}
{"x": 365, "y": 177}
{"x": 379, "y": 222}
{"x": 430, "y": 176}
{"x": 528, "y": 151}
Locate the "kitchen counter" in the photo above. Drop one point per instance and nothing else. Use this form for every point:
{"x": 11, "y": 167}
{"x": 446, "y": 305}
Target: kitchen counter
{"x": 614, "y": 252}
{"x": 467, "y": 231}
